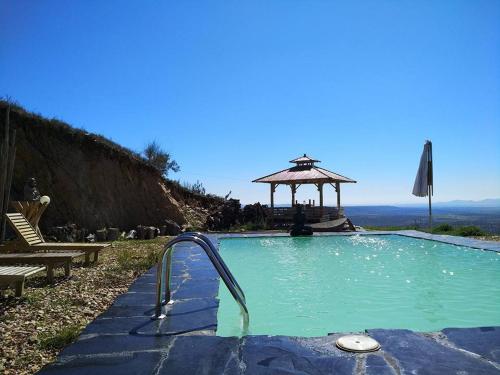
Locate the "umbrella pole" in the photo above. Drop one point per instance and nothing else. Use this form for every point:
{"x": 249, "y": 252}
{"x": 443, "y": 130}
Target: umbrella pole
{"x": 430, "y": 181}
{"x": 430, "y": 209}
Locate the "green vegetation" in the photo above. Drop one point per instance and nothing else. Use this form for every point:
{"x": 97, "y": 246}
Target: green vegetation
{"x": 393, "y": 227}
{"x": 128, "y": 260}
{"x": 196, "y": 188}
{"x": 469, "y": 231}
{"x": 249, "y": 227}
{"x": 443, "y": 228}
{"x": 160, "y": 159}
{"x": 463, "y": 231}
{"x": 60, "y": 339}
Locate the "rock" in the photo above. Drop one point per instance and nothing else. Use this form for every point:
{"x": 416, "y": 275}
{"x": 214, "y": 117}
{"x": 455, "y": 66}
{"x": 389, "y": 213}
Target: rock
{"x": 101, "y": 235}
{"x": 149, "y": 233}
{"x": 141, "y": 232}
{"x": 226, "y": 216}
{"x": 67, "y": 233}
{"x": 113, "y": 234}
{"x": 171, "y": 228}
{"x": 131, "y": 235}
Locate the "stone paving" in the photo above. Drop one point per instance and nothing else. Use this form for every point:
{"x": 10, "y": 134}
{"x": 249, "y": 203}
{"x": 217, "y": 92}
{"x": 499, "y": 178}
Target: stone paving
{"x": 125, "y": 340}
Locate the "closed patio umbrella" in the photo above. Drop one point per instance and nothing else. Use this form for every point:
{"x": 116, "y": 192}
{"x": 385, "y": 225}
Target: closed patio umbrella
{"x": 423, "y": 185}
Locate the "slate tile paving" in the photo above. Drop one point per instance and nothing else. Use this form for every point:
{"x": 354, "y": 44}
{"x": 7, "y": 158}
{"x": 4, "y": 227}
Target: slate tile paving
{"x": 116, "y": 344}
{"x": 293, "y": 355}
{"x": 130, "y": 363}
{"x": 419, "y": 354}
{"x": 375, "y": 364}
{"x": 202, "y": 355}
{"x": 124, "y": 339}
{"x": 476, "y": 340}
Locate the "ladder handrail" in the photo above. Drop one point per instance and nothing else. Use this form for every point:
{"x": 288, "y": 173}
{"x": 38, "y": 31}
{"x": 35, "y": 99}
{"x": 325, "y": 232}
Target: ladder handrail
{"x": 219, "y": 258}
{"x": 215, "y": 256}
{"x": 204, "y": 244}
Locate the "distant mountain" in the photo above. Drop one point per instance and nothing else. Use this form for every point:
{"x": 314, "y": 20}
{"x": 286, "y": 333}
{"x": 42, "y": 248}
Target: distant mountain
{"x": 485, "y": 217}
{"x": 491, "y": 202}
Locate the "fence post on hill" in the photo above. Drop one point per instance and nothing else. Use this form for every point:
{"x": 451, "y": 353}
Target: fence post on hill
{"x": 7, "y": 158}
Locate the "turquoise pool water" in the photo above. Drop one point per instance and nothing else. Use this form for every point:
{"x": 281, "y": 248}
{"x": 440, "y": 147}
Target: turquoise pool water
{"x": 313, "y": 286}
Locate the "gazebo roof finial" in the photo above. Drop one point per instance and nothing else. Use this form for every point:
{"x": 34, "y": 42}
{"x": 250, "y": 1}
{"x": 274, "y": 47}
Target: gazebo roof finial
{"x": 304, "y": 160}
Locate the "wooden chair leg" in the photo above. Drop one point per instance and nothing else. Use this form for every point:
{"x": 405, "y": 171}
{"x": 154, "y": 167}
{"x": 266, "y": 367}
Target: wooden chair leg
{"x": 50, "y": 273}
{"x": 87, "y": 259}
{"x": 96, "y": 256}
{"x": 67, "y": 269}
{"x": 19, "y": 288}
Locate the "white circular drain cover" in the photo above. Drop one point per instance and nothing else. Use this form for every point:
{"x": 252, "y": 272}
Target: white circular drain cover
{"x": 357, "y": 344}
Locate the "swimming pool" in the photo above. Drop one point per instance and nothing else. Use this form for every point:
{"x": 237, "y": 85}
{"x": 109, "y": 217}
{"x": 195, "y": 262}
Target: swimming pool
{"x": 311, "y": 286}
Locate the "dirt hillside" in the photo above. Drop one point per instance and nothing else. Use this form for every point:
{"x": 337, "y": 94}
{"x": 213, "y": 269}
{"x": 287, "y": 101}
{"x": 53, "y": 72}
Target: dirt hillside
{"x": 94, "y": 182}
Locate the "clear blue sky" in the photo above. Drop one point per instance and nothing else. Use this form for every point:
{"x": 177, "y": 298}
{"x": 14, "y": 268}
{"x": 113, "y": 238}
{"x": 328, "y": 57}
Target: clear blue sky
{"x": 235, "y": 89}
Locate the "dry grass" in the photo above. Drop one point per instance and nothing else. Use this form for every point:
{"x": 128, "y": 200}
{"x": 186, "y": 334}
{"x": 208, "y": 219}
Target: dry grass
{"x": 33, "y": 329}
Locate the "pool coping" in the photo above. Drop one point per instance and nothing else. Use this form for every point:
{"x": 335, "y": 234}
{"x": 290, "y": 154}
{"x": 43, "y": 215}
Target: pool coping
{"x": 453, "y": 240}
{"x": 125, "y": 340}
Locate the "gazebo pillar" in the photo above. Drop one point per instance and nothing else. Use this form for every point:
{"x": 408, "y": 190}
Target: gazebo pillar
{"x": 320, "y": 189}
{"x": 293, "y": 187}
{"x": 273, "y": 189}
{"x": 337, "y": 189}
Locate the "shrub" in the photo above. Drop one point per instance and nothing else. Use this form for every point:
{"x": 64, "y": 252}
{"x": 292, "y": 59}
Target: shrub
{"x": 254, "y": 226}
{"x": 193, "y": 229}
{"x": 471, "y": 230}
{"x": 196, "y": 188}
{"x": 443, "y": 228}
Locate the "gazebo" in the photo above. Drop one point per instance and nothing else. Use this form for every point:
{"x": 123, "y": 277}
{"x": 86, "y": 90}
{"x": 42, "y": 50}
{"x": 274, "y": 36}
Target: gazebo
{"x": 304, "y": 172}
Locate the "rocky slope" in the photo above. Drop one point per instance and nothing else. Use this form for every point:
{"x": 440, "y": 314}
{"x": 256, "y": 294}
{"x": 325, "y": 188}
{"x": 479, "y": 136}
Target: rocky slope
{"x": 94, "y": 182}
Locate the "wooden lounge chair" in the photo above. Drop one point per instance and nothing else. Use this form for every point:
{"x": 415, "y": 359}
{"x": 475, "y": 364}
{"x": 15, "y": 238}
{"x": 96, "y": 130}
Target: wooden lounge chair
{"x": 32, "y": 211}
{"x": 16, "y": 276}
{"x": 29, "y": 240}
{"x": 51, "y": 260}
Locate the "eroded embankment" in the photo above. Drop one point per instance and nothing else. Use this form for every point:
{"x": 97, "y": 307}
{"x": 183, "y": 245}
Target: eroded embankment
{"x": 94, "y": 182}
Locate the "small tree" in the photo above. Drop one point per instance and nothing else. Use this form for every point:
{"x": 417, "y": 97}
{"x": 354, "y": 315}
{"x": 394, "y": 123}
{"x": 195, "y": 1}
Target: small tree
{"x": 160, "y": 159}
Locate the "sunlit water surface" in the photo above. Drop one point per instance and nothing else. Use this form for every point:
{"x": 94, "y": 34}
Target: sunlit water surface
{"x": 313, "y": 286}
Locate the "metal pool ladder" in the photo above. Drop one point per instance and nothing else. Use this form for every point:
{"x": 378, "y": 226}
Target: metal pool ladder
{"x": 163, "y": 277}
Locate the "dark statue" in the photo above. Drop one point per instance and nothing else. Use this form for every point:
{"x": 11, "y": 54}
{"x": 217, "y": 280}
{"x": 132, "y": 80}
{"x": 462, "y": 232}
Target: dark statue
{"x": 299, "y": 220}
{"x": 31, "y": 192}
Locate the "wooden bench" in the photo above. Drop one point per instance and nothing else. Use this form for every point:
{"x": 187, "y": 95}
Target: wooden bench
{"x": 50, "y": 260}
{"x": 17, "y": 276}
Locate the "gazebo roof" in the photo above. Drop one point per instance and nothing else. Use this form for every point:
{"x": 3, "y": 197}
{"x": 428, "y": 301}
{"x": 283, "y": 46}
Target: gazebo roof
{"x": 305, "y": 172}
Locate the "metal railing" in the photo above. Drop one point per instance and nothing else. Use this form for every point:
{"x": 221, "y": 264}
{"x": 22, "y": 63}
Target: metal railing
{"x": 163, "y": 276}
{"x": 221, "y": 261}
